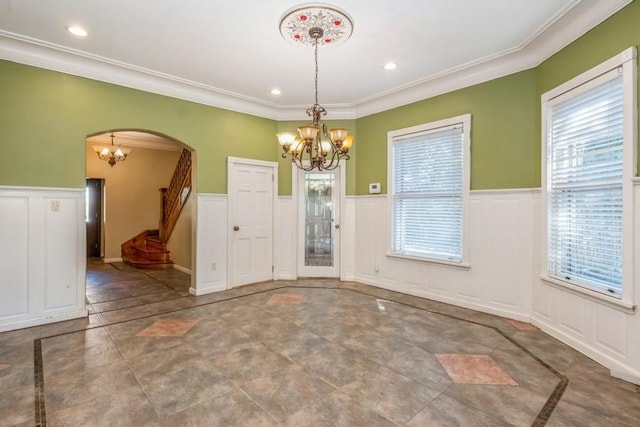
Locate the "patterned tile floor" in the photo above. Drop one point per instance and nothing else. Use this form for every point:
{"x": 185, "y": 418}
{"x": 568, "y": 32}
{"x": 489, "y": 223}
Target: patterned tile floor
{"x": 300, "y": 353}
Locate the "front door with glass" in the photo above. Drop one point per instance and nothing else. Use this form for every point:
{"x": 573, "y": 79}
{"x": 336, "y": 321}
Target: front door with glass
{"x": 319, "y": 237}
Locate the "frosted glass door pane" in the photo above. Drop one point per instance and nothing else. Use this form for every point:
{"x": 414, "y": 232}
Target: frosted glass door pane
{"x": 319, "y": 190}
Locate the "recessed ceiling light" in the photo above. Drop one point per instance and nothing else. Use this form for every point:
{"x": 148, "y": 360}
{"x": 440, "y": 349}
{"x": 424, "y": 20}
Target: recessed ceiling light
{"x": 276, "y": 91}
{"x": 390, "y": 66}
{"x": 77, "y": 30}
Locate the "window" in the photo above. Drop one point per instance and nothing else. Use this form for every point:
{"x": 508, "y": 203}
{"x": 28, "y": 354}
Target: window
{"x": 589, "y": 168}
{"x": 429, "y": 187}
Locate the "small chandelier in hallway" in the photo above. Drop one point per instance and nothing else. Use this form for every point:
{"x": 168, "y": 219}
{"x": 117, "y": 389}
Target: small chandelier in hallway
{"x": 316, "y": 147}
{"x": 112, "y": 154}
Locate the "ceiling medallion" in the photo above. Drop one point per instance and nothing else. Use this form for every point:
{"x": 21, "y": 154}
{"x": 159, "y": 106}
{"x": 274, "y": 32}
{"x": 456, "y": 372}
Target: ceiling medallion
{"x": 316, "y": 146}
{"x": 336, "y": 24}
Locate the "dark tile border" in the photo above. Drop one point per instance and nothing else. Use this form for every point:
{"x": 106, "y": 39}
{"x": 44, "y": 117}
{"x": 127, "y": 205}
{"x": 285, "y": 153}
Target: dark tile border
{"x": 541, "y": 419}
{"x": 38, "y": 378}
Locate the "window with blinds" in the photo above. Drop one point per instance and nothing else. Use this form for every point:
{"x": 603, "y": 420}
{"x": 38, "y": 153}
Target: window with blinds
{"x": 585, "y": 154}
{"x": 428, "y": 190}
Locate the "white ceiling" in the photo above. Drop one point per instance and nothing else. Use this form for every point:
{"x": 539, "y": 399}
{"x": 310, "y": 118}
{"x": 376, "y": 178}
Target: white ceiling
{"x": 229, "y": 53}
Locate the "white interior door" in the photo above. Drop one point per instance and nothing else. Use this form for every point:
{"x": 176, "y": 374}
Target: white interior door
{"x": 319, "y": 195}
{"x": 251, "y": 192}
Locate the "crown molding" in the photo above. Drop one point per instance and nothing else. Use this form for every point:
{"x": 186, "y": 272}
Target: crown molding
{"x": 25, "y": 50}
{"x": 564, "y": 30}
{"x": 580, "y": 18}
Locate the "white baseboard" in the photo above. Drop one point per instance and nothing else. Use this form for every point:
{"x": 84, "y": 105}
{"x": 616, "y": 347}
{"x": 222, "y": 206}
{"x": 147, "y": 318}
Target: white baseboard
{"x": 285, "y": 276}
{"x": 110, "y": 260}
{"x": 617, "y": 368}
{"x": 12, "y": 324}
{"x": 632, "y": 377}
{"x": 522, "y": 317}
{"x": 208, "y": 289}
{"x": 182, "y": 269}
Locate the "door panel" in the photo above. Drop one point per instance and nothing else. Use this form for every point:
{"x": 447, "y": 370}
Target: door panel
{"x": 251, "y": 221}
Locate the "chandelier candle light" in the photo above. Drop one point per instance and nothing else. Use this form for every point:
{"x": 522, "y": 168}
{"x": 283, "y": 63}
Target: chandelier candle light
{"x": 316, "y": 147}
{"x": 112, "y": 154}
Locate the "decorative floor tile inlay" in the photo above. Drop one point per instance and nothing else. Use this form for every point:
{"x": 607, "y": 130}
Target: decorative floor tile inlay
{"x": 521, "y": 325}
{"x": 285, "y": 299}
{"x": 474, "y": 369}
{"x": 168, "y": 328}
{"x": 3, "y": 366}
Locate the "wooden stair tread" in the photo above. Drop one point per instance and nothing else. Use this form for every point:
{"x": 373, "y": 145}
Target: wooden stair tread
{"x": 146, "y": 250}
{"x": 140, "y": 262}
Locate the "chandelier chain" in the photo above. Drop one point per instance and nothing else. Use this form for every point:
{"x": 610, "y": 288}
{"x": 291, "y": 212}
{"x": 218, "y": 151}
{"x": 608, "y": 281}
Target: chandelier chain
{"x": 316, "y": 59}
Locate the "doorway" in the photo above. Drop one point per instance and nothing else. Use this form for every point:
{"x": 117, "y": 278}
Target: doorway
{"x": 93, "y": 216}
{"x": 319, "y": 195}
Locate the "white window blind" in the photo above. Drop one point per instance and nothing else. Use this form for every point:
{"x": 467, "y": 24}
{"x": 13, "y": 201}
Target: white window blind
{"x": 585, "y": 186}
{"x": 427, "y": 189}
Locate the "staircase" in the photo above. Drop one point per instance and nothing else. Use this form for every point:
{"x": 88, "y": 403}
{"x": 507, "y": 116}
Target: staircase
{"x": 149, "y": 248}
{"x": 146, "y": 250}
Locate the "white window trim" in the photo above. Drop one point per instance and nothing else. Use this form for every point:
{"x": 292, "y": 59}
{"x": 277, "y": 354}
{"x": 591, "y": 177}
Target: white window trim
{"x": 627, "y": 61}
{"x": 465, "y": 120}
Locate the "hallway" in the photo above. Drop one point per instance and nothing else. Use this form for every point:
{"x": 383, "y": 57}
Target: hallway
{"x": 307, "y": 352}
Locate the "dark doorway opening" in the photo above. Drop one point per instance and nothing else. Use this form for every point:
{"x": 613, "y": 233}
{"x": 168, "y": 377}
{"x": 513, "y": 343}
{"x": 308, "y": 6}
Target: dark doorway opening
{"x": 93, "y": 218}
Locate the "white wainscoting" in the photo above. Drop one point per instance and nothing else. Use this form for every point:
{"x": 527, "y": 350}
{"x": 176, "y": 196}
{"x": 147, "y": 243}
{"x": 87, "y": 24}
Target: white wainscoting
{"x": 210, "y": 244}
{"x": 284, "y": 239}
{"x": 603, "y": 332}
{"x": 42, "y": 256}
{"x": 348, "y": 239}
{"x": 501, "y": 255}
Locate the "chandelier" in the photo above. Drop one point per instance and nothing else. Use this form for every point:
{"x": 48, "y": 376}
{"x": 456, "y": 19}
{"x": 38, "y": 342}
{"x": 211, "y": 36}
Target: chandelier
{"x": 112, "y": 154}
{"x": 315, "y": 146}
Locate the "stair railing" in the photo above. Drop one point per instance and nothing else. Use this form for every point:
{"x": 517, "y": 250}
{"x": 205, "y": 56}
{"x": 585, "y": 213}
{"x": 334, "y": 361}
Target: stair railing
{"x": 173, "y": 198}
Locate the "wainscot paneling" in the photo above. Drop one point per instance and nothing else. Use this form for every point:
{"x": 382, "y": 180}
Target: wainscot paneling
{"x": 210, "y": 244}
{"x": 603, "y": 331}
{"x": 284, "y": 239}
{"x": 42, "y": 256}
{"x": 348, "y": 238}
{"x": 500, "y": 255}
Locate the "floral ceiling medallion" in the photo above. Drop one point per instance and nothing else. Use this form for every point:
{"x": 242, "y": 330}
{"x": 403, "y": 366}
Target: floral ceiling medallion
{"x": 336, "y": 24}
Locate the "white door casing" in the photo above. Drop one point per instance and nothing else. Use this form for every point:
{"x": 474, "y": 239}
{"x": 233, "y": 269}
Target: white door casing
{"x": 298, "y": 178}
{"x": 251, "y": 189}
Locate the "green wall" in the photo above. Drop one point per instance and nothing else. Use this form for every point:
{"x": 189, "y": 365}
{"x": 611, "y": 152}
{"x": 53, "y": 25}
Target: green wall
{"x": 505, "y": 134}
{"x": 46, "y": 116}
{"x": 503, "y": 153}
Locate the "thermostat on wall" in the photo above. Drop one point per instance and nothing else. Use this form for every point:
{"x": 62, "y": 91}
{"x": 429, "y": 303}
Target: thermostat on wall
{"x": 374, "y": 188}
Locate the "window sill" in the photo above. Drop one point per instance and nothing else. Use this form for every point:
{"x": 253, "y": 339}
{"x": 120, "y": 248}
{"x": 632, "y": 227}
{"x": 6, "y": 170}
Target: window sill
{"x": 461, "y": 265}
{"x": 619, "y": 304}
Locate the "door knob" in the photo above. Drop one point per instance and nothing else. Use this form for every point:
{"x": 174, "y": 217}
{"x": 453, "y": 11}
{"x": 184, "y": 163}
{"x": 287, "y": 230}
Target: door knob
{"x": 337, "y": 226}
{"x": 236, "y": 228}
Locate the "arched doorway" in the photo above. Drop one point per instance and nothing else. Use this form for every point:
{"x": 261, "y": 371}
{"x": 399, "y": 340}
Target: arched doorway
{"x": 130, "y": 206}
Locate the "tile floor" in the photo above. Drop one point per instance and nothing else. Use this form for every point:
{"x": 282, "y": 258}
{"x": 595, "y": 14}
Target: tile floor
{"x": 300, "y": 353}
